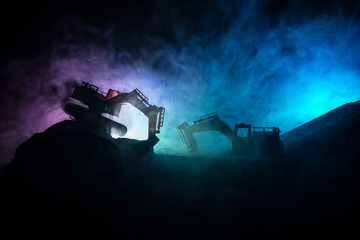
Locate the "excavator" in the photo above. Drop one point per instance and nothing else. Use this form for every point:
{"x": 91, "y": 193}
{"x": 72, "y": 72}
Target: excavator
{"x": 246, "y": 140}
{"x": 93, "y": 105}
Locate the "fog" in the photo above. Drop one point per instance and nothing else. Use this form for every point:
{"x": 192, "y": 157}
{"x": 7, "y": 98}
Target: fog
{"x": 267, "y": 63}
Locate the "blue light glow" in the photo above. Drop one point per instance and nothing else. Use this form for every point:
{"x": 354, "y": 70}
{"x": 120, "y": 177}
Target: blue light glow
{"x": 246, "y": 61}
{"x": 282, "y": 75}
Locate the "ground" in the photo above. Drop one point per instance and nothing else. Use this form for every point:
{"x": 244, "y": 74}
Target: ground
{"x": 73, "y": 182}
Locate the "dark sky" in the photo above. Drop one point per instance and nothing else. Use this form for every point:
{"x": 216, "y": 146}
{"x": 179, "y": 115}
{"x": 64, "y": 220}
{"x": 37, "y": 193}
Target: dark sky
{"x": 28, "y": 27}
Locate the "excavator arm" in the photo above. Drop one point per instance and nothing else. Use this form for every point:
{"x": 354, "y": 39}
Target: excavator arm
{"x": 140, "y": 101}
{"x": 205, "y": 123}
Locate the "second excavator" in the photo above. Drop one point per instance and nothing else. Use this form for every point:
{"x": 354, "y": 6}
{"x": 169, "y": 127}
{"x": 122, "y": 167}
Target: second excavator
{"x": 245, "y": 140}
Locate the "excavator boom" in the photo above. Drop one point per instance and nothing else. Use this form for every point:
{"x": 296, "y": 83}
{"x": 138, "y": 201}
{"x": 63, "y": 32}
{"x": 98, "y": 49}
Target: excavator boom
{"x": 140, "y": 101}
{"x": 205, "y": 123}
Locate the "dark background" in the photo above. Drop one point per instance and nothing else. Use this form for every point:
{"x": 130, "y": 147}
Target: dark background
{"x": 314, "y": 189}
{"x": 28, "y": 28}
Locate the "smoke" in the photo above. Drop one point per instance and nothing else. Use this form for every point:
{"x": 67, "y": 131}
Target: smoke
{"x": 261, "y": 62}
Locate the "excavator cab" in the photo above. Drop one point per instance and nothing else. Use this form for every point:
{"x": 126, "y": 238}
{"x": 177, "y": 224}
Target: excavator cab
{"x": 258, "y": 141}
{"x": 242, "y": 138}
{"x": 92, "y": 104}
